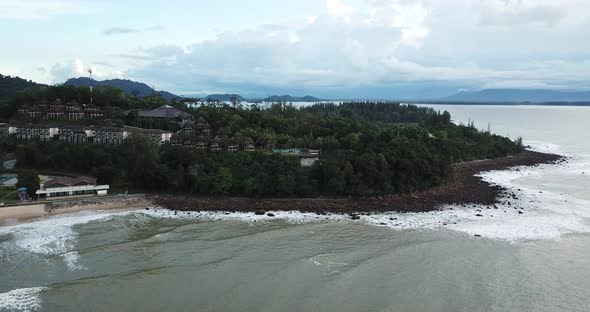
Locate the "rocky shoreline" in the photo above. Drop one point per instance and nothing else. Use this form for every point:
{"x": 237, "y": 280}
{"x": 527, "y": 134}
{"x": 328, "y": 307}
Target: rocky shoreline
{"x": 463, "y": 188}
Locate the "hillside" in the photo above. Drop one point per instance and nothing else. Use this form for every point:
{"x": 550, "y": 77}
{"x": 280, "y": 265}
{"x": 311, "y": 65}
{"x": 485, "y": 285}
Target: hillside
{"x": 8, "y": 88}
{"x": 519, "y": 95}
{"x": 139, "y": 89}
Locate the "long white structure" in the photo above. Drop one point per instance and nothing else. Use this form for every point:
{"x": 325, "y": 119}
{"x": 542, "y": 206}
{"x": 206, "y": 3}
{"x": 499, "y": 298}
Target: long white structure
{"x": 63, "y": 186}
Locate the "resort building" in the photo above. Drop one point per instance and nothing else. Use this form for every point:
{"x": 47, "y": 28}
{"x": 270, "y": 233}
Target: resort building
{"x": 232, "y": 146}
{"x": 165, "y": 112}
{"x": 249, "y": 146}
{"x": 36, "y": 132}
{"x": 73, "y": 135}
{"x": 67, "y": 187}
{"x": 58, "y": 110}
{"x": 216, "y": 144}
{"x": 200, "y": 142}
{"x": 109, "y": 136}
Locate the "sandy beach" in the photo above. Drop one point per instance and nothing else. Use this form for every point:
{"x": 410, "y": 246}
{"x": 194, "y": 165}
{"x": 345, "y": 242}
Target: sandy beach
{"x": 22, "y": 213}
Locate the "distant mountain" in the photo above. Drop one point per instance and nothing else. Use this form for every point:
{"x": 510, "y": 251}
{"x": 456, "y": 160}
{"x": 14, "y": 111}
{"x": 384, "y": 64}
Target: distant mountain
{"x": 519, "y": 95}
{"x": 9, "y": 85}
{"x": 288, "y": 98}
{"x": 139, "y": 89}
{"x": 224, "y": 97}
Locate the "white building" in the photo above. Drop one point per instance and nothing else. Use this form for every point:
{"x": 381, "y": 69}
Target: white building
{"x": 64, "y": 186}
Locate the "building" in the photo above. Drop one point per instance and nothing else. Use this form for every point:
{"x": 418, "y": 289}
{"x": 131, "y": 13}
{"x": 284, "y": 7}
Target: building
{"x": 287, "y": 151}
{"x": 154, "y": 135}
{"x": 67, "y": 187}
{"x": 201, "y": 122}
{"x": 216, "y": 144}
{"x": 165, "y": 112}
{"x": 200, "y": 142}
{"x": 58, "y": 110}
{"x": 232, "y": 146}
{"x": 249, "y": 146}
{"x": 35, "y": 132}
{"x": 73, "y": 135}
{"x": 109, "y": 135}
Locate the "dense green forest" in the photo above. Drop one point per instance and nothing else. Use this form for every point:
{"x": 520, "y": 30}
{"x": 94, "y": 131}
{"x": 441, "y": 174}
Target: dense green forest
{"x": 367, "y": 148}
{"x": 9, "y": 86}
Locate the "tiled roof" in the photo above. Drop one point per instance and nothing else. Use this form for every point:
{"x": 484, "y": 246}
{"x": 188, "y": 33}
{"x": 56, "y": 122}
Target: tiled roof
{"x": 66, "y": 181}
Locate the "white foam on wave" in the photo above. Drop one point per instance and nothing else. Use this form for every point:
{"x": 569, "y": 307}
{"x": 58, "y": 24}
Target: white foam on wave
{"x": 538, "y": 212}
{"x": 53, "y": 236}
{"x": 546, "y": 215}
{"x": 548, "y": 211}
{"x": 72, "y": 261}
{"x": 22, "y": 299}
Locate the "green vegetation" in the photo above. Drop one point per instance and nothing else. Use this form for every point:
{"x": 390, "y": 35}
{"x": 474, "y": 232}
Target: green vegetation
{"x": 30, "y": 180}
{"x": 8, "y": 89}
{"x": 366, "y": 149}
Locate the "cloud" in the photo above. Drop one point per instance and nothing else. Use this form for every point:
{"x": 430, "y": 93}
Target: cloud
{"x": 384, "y": 48}
{"x": 41, "y": 9}
{"x": 339, "y": 9}
{"x": 545, "y": 13}
{"x": 122, "y": 30}
{"x": 76, "y": 68}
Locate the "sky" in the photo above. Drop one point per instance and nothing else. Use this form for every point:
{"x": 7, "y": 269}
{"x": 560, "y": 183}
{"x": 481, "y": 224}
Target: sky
{"x": 402, "y": 49}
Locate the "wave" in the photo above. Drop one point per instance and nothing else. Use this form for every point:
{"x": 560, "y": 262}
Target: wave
{"x": 22, "y": 299}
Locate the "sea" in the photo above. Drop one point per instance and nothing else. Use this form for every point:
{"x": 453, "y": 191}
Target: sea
{"x": 451, "y": 260}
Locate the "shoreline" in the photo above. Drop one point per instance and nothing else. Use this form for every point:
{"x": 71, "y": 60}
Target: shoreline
{"x": 23, "y": 213}
{"x": 463, "y": 188}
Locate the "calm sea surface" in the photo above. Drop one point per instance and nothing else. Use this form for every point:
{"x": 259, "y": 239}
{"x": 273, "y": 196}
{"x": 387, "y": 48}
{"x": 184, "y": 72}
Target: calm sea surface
{"x": 155, "y": 261}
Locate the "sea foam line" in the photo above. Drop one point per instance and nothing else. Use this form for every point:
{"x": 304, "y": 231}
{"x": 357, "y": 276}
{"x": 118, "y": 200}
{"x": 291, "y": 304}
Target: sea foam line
{"x": 22, "y": 299}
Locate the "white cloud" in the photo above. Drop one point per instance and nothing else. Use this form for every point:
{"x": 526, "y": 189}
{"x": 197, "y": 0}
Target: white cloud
{"x": 364, "y": 44}
{"x": 76, "y": 68}
{"x": 545, "y": 13}
{"x": 41, "y": 9}
{"x": 338, "y": 9}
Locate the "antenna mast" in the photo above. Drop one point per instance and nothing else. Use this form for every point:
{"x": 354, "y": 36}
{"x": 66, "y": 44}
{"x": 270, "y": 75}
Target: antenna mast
{"x": 90, "y": 72}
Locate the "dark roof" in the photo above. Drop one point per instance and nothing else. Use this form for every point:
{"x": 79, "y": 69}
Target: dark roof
{"x": 66, "y": 181}
{"x": 164, "y": 111}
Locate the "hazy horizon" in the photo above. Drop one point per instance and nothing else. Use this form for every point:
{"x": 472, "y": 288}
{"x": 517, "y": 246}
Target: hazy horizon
{"x": 355, "y": 49}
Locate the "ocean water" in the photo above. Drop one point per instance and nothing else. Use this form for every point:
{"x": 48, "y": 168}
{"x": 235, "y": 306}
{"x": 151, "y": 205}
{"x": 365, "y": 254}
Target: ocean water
{"x": 452, "y": 260}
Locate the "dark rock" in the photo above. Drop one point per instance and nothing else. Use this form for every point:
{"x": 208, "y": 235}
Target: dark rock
{"x": 270, "y": 214}
{"x": 259, "y": 212}
{"x": 479, "y": 215}
{"x": 520, "y": 212}
{"x": 477, "y": 235}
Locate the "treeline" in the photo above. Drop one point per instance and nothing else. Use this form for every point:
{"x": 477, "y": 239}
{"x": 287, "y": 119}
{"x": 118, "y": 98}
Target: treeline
{"x": 359, "y": 157}
{"x": 9, "y": 86}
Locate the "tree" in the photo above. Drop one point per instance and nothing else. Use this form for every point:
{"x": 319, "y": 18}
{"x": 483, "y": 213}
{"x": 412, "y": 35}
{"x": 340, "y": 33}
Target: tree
{"x": 222, "y": 182}
{"x": 30, "y": 180}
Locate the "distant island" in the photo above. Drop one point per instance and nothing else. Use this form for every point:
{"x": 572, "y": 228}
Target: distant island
{"x": 289, "y": 98}
{"x": 518, "y": 96}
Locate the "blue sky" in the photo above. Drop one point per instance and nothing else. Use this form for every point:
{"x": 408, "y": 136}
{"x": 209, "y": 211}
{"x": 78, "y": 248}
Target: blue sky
{"x": 328, "y": 48}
